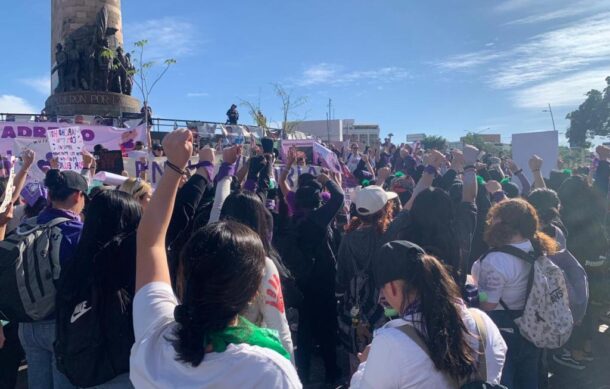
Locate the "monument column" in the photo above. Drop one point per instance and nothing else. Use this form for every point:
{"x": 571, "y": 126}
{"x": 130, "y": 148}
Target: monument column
{"x": 85, "y": 80}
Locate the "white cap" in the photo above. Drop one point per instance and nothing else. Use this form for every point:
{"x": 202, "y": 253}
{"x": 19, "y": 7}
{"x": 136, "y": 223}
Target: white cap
{"x": 372, "y": 199}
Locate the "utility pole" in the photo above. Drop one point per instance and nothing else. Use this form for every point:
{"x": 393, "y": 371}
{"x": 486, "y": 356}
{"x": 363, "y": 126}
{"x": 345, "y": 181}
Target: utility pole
{"x": 550, "y": 110}
{"x": 328, "y": 118}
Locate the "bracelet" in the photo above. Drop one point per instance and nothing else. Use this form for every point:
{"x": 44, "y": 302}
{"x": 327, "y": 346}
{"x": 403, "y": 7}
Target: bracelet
{"x": 518, "y": 172}
{"x": 175, "y": 168}
{"x": 468, "y": 167}
{"x": 431, "y": 170}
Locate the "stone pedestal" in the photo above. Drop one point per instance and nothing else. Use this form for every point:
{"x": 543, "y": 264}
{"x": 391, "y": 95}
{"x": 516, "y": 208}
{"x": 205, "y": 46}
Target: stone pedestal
{"x": 91, "y": 103}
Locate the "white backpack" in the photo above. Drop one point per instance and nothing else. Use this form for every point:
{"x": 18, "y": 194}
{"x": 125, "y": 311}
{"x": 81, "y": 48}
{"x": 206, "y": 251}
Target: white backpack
{"x": 546, "y": 321}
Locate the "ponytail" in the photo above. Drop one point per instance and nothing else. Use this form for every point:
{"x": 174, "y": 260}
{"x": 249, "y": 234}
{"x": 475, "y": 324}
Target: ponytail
{"x": 445, "y": 331}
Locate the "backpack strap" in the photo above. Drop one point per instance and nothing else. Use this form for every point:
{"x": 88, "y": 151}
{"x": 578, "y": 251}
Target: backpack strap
{"x": 55, "y": 222}
{"x": 523, "y": 255}
{"x": 415, "y": 336}
{"x": 482, "y": 330}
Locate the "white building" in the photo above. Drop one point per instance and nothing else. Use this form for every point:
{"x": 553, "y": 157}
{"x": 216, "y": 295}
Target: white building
{"x": 340, "y": 130}
{"x": 327, "y": 130}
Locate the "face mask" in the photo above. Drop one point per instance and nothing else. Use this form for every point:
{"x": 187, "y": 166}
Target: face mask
{"x": 389, "y": 312}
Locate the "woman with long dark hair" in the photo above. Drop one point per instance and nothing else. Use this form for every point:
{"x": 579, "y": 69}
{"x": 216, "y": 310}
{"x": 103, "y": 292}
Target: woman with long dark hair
{"x": 268, "y": 309}
{"x": 547, "y": 205}
{"x": 104, "y": 260}
{"x": 202, "y": 342}
{"x": 442, "y": 348}
{"x": 359, "y": 311}
{"x": 503, "y": 279}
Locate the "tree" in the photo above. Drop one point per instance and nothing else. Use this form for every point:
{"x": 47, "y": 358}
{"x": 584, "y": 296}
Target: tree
{"x": 289, "y": 105}
{"x": 434, "y": 142}
{"x": 590, "y": 119}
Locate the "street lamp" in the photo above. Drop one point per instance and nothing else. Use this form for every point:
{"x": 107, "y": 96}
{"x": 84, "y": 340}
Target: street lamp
{"x": 550, "y": 110}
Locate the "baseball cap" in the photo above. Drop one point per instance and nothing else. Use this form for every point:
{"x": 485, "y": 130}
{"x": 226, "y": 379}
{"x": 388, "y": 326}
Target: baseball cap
{"x": 395, "y": 259}
{"x": 67, "y": 179}
{"x": 372, "y": 199}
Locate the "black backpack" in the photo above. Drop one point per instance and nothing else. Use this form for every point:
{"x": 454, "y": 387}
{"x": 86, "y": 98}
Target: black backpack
{"x": 94, "y": 329}
{"x": 29, "y": 268}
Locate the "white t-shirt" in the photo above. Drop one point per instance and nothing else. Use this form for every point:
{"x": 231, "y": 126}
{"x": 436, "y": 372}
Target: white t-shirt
{"x": 268, "y": 310}
{"x": 153, "y": 361}
{"x": 503, "y": 276}
{"x": 396, "y": 361}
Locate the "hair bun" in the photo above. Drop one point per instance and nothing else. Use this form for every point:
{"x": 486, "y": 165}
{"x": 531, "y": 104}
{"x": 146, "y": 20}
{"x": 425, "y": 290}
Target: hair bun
{"x": 54, "y": 179}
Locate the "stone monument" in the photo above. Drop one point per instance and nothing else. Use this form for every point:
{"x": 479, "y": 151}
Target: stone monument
{"x": 91, "y": 74}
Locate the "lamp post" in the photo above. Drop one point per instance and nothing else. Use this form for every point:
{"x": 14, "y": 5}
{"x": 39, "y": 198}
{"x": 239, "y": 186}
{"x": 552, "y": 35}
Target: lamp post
{"x": 550, "y": 110}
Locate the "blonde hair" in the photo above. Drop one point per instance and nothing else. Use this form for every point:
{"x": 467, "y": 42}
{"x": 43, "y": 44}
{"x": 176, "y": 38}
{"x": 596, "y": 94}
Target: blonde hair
{"x": 135, "y": 187}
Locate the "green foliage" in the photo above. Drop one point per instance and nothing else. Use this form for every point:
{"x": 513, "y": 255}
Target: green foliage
{"x": 143, "y": 68}
{"x": 592, "y": 118}
{"x": 430, "y": 142}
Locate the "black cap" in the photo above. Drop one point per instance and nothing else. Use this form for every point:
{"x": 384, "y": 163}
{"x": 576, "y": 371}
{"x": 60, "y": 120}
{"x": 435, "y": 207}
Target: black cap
{"x": 394, "y": 259}
{"x": 70, "y": 180}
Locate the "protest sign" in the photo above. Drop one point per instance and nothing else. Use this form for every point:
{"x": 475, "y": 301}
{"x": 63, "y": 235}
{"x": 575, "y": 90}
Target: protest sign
{"x": 111, "y": 138}
{"x": 544, "y": 144}
{"x": 325, "y": 157}
{"x": 304, "y": 149}
{"x": 67, "y": 146}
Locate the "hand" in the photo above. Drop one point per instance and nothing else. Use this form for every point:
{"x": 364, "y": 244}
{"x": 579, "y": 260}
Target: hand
{"x": 471, "y": 154}
{"x": 603, "y": 152}
{"x": 291, "y": 156}
{"x": 512, "y": 166}
{"x": 230, "y": 154}
{"x": 88, "y": 159}
{"x": 458, "y": 159}
{"x": 323, "y": 179}
{"x": 207, "y": 154}
{"x": 178, "y": 147}
{"x": 6, "y": 216}
{"x": 28, "y": 157}
{"x": 493, "y": 186}
{"x": 436, "y": 159}
{"x": 363, "y": 356}
{"x": 535, "y": 163}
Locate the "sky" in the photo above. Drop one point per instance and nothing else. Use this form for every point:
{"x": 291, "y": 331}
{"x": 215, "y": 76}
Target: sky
{"x": 436, "y": 67}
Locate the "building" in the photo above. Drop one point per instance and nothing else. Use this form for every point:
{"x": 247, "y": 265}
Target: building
{"x": 340, "y": 130}
{"x": 327, "y": 130}
{"x": 367, "y": 134}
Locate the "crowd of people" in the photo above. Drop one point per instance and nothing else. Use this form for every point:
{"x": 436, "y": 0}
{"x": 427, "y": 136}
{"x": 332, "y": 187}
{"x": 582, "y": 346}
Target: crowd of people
{"x": 225, "y": 277}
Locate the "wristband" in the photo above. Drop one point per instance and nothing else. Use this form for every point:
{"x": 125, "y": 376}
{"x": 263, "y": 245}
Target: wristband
{"x": 468, "y": 167}
{"x": 175, "y": 168}
{"x": 518, "y": 172}
{"x": 431, "y": 170}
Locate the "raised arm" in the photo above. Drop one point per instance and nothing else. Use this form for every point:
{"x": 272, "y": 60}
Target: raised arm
{"x": 223, "y": 186}
{"x": 535, "y": 165}
{"x": 436, "y": 159}
{"x": 526, "y": 187}
{"x": 28, "y": 157}
{"x": 470, "y": 187}
{"x": 284, "y": 186}
{"x": 151, "y": 258}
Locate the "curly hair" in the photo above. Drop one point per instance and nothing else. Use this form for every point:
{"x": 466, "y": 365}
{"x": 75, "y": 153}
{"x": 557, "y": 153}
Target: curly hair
{"x": 516, "y": 216}
{"x": 380, "y": 219}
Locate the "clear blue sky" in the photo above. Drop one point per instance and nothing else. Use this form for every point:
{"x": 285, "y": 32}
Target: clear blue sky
{"x": 440, "y": 67}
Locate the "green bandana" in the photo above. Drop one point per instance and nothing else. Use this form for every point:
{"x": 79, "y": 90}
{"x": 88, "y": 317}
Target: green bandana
{"x": 246, "y": 332}
{"x": 480, "y": 180}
